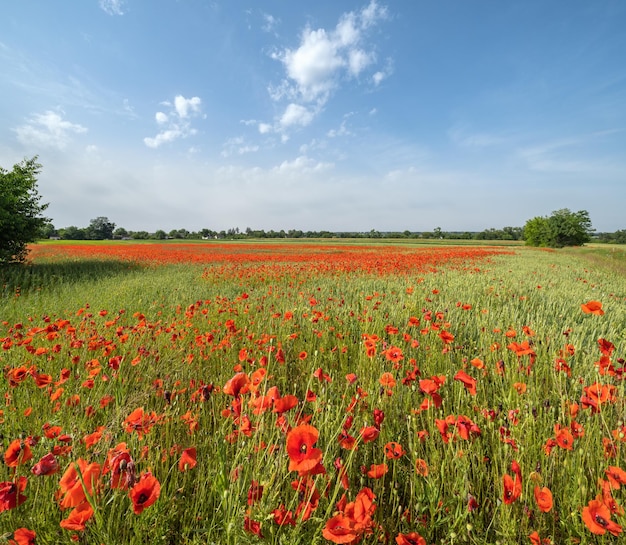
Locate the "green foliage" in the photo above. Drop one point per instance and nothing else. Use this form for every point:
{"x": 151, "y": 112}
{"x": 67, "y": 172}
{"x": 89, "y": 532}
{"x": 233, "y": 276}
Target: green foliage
{"x": 562, "y": 228}
{"x": 20, "y": 210}
{"x": 100, "y": 228}
{"x": 618, "y": 237}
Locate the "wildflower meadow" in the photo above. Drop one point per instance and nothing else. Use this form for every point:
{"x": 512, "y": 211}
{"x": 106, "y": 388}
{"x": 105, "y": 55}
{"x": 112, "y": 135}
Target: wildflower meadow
{"x": 312, "y": 393}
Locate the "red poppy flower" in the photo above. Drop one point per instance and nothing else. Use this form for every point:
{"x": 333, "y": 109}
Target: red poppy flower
{"x": 564, "y": 437}
{"x": 282, "y": 517}
{"x": 362, "y": 509}
{"x": 369, "y": 434}
{"x": 17, "y": 453}
{"x": 285, "y": 403}
{"x": 394, "y": 354}
{"x": 48, "y": 465}
{"x": 11, "y": 494}
{"x": 467, "y": 381}
{"x": 446, "y": 337}
{"x": 597, "y": 518}
{"x": 94, "y": 438}
{"x": 387, "y": 380}
{"x": 79, "y": 478}
{"x": 340, "y": 529}
{"x": 410, "y": 539}
{"x": 23, "y": 536}
{"x": 145, "y": 492}
{"x": 187, "y": 459}
{"x": 303, "y": 457}
{"x": 78, "y": 517}
{"x": 421, "y": 467}
{"x": 255, "y": 492}
{"x": 535, "y": 539}
{"x": 543, "y": 497}
{"x": 512, "y": 485}
{"x": 592, "y": 307}
{"x": 394, "y": 450}
{"x": 376, "y": 471}
{"x": 512, "y": 489}
{"x": 609, "y": 500}
{"x": 140, "y": 422}
{"x": 237, "y": 385}
{"x": 616, "y": 476}
{"x": 252, "y": 527}
{"x": 606, "y": 347}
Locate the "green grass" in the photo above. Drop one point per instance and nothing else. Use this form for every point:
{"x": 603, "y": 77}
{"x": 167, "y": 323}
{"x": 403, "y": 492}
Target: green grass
{"x": 176, "y": 320}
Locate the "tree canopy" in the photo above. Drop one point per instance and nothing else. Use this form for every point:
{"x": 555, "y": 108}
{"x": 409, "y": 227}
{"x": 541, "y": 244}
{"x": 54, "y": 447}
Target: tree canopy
{"x": 562, "y": 228}
{"x": 21, "y": 221}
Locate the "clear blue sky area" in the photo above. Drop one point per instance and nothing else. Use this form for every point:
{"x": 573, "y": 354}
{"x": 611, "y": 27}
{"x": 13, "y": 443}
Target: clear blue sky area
{"x": 353, "y": 115}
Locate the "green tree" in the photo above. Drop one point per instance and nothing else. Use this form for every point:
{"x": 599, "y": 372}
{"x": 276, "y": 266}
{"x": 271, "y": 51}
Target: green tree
{"x": 562, "y": 228}
{"x": 21, "y": 221}
{"x": 100, "y": 228}
{"x": 72, "y": 233}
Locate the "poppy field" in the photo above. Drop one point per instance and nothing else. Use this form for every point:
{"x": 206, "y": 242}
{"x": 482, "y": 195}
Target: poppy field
{"x": 311, "y": 394}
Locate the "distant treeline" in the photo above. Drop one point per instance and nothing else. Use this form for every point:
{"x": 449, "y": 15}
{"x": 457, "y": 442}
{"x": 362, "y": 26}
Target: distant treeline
{"x": 102, "y": 229}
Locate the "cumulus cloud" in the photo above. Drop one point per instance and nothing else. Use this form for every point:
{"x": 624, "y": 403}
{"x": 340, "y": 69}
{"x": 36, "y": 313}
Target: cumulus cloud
{"x": 323, "y": 59}
{"x": 47, "y": 130}
{"x": 112, "y": 7}
{"x": 295, "y": 114}
{"x": 177, "y": 123}
{"x": 187, "y": 106}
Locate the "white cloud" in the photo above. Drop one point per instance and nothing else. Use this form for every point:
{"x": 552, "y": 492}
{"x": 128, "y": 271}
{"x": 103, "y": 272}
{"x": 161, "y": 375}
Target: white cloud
{"x": 163, "y": 137}
{"x": 358, "y": 60}
{"x": 324, "y": 58}
{"x": 314, "y": 65}
{"x": 237, "y": 146}
{"x": 265, "y": 128}
{"x": 373, "y": 13}
{"x": 112, "y": 7}
{"x": 177, "y": 124}
{"x": 378, "y": 77}
{"x": 295, "y": 114}
{"x": 186, "y": 106}
{"x": 302, "y": 164}
{"x": 341, "y": 131}
{"x": 269, "y": 23}
{"x": 48, "y": 130}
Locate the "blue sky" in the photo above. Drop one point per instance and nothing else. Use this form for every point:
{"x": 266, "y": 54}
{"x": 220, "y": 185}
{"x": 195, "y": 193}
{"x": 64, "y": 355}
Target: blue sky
{"x": 353, "y": 115}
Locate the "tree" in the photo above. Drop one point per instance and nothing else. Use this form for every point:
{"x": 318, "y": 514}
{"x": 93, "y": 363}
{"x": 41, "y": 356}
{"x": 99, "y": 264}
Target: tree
{"x": 562, "y": 228}
{"x": 120, "y": 232}
{"x": 21, "y": 221}
{"x": 72, "y": 233}
{"x": 100, "y": 228}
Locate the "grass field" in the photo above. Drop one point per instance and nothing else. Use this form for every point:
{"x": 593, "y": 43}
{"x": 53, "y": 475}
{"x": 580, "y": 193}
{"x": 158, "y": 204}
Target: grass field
{"x": 313, "y": 393}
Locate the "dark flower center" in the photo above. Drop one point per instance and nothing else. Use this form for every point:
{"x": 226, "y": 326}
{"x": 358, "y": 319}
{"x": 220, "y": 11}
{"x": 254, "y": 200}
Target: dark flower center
{"x": 601, "y": 521}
